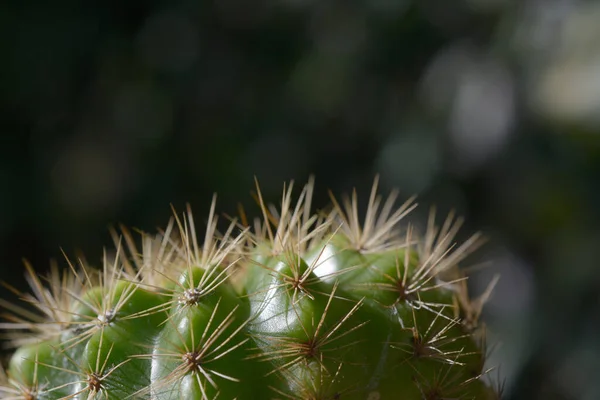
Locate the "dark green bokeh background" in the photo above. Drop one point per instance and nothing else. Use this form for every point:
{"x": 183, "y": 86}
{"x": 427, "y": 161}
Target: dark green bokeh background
{"x": 110, "y": 111}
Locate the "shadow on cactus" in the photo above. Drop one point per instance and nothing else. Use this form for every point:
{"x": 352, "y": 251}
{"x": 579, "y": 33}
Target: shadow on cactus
{"x": 295, "y": 305}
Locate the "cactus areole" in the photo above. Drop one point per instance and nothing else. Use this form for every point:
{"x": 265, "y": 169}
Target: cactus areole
{"x": 295, "y": 305}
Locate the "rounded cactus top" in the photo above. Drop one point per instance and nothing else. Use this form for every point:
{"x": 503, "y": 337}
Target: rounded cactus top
{"x": 295, "y": 304}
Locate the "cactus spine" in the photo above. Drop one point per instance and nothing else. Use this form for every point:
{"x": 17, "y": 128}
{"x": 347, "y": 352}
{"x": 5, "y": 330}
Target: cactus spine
{"x": 300, "y": 305}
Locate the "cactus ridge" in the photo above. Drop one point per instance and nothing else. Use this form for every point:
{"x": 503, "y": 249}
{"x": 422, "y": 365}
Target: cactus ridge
{"x": 295, "y": 304}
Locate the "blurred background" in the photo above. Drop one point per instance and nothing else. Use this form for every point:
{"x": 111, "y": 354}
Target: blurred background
{"x": 111, "y": 111}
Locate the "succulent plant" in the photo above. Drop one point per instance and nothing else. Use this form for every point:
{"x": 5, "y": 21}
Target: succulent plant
{"x": 295, "y": 305}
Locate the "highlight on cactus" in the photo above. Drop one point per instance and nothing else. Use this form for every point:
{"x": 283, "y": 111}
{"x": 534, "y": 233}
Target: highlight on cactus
{"x": 296, "y": 304}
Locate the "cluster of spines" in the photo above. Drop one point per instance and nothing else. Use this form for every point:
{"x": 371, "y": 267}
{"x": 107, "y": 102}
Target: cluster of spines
{"x": 302, "y": 255}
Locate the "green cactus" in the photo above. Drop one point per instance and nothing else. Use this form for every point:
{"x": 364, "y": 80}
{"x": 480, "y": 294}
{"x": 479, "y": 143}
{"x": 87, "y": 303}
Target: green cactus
{"x": 299, "y": 305}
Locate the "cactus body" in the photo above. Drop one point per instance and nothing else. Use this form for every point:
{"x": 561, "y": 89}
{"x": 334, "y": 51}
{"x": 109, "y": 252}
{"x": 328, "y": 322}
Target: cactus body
{"x": 302, "y": 306}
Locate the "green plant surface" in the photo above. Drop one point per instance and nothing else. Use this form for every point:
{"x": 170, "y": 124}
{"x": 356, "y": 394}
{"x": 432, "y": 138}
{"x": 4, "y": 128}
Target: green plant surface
{"x": 300, "y": 305}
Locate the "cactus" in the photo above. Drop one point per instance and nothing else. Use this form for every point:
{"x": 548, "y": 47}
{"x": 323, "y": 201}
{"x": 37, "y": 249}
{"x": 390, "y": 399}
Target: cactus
{"x": 296, "y": 305}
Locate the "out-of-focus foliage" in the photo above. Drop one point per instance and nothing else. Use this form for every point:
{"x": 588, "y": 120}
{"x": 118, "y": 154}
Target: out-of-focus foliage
{"x": 112, "y": 110}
